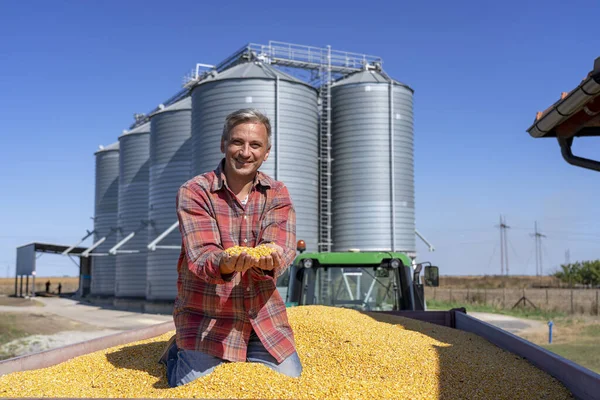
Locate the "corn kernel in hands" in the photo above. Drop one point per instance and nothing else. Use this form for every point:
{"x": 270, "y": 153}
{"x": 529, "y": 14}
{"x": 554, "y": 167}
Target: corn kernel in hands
{"x": 255, "y": 252}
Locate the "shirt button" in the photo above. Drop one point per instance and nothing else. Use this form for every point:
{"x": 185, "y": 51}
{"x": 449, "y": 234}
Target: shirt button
{"x": 247, "y": 289}
{"x": 252, "y": 314}
{"x": 245, "y": 240}
{"x": 245, "y": 217}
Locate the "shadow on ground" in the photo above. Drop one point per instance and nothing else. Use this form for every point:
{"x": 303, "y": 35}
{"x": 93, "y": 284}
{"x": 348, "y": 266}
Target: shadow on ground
{"x": 142, "y": 357}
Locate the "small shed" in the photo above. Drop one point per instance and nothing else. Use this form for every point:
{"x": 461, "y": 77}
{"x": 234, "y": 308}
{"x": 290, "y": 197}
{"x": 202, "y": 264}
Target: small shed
{"x": 26, "y": 265}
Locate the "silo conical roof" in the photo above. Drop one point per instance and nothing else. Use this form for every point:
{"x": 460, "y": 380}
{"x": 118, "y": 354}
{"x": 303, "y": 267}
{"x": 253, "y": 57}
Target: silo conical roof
{"x": 255, "y": 70}
{"x": 184, "y": 104}
{"x": 110, "y": 147}
{"x": 144, "y": 128}
{"x": 368, "y": 77}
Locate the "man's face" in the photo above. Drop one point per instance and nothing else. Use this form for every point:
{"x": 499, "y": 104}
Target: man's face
{"x": 246, "y": 149}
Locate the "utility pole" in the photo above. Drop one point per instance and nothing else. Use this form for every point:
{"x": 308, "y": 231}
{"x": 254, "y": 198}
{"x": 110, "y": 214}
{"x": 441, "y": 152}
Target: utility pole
{"x": 506, "y": 227}
{"x": 503, "y": 246}
{"x": 539, "y": 269}
{"x": 567, "y": 257}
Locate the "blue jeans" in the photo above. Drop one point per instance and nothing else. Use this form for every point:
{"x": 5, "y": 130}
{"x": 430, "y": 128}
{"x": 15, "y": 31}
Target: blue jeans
{"x": 185, "y": 366}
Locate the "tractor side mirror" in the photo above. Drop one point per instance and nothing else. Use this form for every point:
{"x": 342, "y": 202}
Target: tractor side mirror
{"x": 432, "y": 276}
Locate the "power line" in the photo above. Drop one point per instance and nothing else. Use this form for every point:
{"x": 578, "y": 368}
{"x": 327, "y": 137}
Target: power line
{"x": 561, "y": 232}
{"x": 543, "y": 246}
{"x": 492, "y": 257}
{"x": 563, "y": 239}
{"x": 529, "y": 259}
{"x": 514, "y": 251}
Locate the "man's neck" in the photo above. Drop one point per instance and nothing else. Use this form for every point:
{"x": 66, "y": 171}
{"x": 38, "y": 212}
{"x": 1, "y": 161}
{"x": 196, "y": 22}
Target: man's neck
{"x": 240, "y": 186}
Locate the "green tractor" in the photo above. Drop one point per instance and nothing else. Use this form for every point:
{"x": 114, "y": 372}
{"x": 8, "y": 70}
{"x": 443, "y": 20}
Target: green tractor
{"x": 368, "y": 281}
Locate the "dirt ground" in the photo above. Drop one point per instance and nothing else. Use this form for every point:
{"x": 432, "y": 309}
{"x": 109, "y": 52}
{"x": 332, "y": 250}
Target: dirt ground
{"x": 31, "y": 326}
{"x": 19, "y": 331}
{"x": 19, "y": 302}
{"x": 42, "y": 324}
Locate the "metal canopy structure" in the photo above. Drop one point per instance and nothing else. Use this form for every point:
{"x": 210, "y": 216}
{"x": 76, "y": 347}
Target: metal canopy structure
{"x": 26, "y": 263}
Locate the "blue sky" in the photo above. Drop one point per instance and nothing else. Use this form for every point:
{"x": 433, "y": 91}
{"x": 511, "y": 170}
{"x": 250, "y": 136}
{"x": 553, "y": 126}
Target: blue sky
{"x": 73, "y": 73}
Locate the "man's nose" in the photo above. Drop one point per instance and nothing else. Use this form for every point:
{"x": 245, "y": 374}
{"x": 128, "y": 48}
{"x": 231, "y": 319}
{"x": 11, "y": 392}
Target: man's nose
{"x": 245, "y": 152}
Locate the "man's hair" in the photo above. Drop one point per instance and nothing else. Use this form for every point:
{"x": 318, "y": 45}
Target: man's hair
{"x": 246, "y": 115}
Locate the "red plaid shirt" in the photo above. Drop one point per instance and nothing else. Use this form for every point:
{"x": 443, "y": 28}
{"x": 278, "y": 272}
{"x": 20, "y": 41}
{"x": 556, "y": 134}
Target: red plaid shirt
{"x": 216, "y": 314}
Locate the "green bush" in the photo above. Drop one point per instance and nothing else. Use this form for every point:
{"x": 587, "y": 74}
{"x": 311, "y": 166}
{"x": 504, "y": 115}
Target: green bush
{"x": 584, "y": 273}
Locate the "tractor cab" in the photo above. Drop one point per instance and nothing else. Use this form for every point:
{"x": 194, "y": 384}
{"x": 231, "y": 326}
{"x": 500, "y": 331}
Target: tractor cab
{"x": 368, "y": 281}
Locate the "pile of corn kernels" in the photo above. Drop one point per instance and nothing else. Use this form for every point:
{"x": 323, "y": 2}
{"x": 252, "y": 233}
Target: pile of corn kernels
{"x": 345, "y": 354}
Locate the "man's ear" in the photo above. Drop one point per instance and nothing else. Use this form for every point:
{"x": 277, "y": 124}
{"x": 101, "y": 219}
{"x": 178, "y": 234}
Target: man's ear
{"x": 267, "y": 153}
{"x": 222, "y": 145}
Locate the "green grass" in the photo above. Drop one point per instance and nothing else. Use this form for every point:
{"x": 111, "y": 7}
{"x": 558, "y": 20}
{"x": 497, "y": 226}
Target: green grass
{"x": 593, "y": 331}
{"x": 584, "y": 354}
{"x": 517, "y": 312}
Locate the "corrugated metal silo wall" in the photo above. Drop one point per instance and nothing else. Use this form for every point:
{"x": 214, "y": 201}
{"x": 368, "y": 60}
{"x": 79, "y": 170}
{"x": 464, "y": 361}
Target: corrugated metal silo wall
{"x": 298, "y": 137}
{"x": 133, "y": 213}
{"x": 361, "y": 192}
{"x": 170, "y": 167}
{"x": 106, "y": 209}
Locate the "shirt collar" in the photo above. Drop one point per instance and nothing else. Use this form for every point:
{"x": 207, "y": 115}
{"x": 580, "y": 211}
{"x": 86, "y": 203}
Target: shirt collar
{"x": 221, "y": 180}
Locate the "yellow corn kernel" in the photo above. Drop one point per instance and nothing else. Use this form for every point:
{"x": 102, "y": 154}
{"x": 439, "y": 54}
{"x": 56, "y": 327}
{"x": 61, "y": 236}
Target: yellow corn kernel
{"x": 346, "y": 354}
{"x": 254, "y": 252}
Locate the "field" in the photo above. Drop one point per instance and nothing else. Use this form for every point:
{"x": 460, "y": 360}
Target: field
{"x": 69, "y": 284}
{"x": 568, "y": 301}
{"x": 498, "y": 281}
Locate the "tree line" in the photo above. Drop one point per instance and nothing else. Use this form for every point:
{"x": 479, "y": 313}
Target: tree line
{"x": 582, "y": 273}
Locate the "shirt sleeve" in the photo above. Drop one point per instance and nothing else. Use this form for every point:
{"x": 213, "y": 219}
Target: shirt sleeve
{"x": 279, "y": 227}
{"x": 200, "y": 235}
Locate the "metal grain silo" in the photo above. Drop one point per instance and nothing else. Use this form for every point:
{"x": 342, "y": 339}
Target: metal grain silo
{"x": 133, "y": 212}
{"x": 291, "y": 105}
{"x": 105, "y": 219}
{"x": 170, "y": 167}
{"x": 373, "y": 169}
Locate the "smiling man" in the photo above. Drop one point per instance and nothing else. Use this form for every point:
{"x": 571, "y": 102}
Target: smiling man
{"x": 227, "y": 307}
